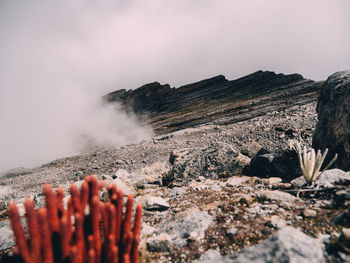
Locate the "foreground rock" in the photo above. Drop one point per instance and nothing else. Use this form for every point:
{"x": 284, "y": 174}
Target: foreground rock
{"x": 333, "y": 127}
{"x": 287, "y": 245}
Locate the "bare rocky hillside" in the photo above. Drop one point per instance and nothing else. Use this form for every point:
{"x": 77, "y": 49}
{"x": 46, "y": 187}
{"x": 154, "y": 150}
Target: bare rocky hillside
{"x": 203, "y": 199}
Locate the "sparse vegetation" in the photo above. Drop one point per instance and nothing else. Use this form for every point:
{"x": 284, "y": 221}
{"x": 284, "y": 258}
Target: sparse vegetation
{"x": 310, "y": 162}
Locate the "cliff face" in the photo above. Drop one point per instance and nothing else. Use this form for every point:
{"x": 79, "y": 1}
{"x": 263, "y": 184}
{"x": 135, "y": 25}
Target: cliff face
{"x": 215, "y": 100}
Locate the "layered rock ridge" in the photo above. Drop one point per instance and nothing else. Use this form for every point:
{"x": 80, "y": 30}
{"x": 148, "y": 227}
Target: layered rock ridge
{"x": 215, "y": 100}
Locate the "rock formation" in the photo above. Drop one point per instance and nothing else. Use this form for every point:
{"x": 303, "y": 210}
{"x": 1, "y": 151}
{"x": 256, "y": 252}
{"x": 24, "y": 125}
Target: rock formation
{"x": 215, "y": 100}
{"x": 333, "y": 128}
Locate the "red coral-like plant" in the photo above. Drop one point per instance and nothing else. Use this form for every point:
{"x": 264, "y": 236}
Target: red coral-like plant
{"x": 88, "y": 231}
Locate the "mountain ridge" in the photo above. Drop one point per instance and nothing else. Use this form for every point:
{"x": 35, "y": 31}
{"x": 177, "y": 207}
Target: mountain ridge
{"x": 215, "y": 100}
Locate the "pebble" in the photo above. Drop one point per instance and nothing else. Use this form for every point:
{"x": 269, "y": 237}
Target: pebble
{"x": 275, "y": 181}
{"x": 232, "y": 231}
{"x": 309, "y": 213}
{"x": 156, "y": 203}
{"x": 161, "y": 243}
{"x": 346, "y": 233}
{"x": 277, "y": 195}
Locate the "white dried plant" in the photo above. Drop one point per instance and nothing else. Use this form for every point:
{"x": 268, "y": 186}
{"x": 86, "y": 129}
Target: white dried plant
{"x": 310, "y": 162}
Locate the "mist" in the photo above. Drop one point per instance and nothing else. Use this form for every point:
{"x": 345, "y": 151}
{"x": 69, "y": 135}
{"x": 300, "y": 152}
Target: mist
{"x": 59, "y": 57}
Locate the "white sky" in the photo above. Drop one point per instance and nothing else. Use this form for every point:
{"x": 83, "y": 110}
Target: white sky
{"x": 58, "y": 57}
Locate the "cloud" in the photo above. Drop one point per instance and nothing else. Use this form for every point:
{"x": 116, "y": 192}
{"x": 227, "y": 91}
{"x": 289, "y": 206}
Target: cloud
{"x": 59, "y": 57}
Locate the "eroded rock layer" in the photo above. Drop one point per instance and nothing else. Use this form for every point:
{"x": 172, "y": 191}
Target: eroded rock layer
{"x": 215, "y": 100}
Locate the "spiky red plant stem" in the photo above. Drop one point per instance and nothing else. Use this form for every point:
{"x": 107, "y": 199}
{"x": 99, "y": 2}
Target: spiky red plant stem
{"x": 119, "y": 207}
{"x": 80, "y": 242}
{"x": 33, "y": 228}
{"x": 51, "y": 205}
{"x": 19, "y": 233}
{"x": 45, "y": 236}
{"x": 65, "y": 236}
{"x": 95, "y": 221}
{"x": 136, "y": 235}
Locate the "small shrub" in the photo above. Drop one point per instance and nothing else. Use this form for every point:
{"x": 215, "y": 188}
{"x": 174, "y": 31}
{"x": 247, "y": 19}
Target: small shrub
{"x": 310, "y": 162}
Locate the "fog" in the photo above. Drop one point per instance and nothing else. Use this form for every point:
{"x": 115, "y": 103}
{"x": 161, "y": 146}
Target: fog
{"x": 57, "y": 58}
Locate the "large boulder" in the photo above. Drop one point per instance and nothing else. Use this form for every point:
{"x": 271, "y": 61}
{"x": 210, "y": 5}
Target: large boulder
{"x": 218, "y": 160}
{"x": 287, "y": 245}
{"x": 333, "y": 127}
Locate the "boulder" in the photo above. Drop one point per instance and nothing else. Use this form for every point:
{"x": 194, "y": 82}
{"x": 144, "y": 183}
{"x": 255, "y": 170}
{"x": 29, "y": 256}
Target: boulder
{"x": 333, "y": 127}
{"x": 219, "y": 160}
{"x": 188, "y": 225}
{"x": 284, "y": 165}
{"x": 328, "y": 178}
{"x": 287, "y": 245}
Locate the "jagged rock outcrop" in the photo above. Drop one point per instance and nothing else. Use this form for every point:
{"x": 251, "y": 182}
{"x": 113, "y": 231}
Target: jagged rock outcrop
{"x": 215, "y": 100}
{"x": 215, "y": 161}
{"x": 333, "y": 128}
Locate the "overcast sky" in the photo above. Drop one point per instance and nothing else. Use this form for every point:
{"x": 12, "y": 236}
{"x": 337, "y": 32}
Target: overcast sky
{"x": 58, "y": 57}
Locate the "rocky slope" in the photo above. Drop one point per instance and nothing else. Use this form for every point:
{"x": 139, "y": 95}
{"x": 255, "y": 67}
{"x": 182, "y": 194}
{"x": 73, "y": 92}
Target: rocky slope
{"x": 215, "y": 100}
{"x": 202, "y": 200}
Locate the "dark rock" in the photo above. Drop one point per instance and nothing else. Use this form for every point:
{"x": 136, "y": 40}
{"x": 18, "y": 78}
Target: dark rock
{"x": 333, "y": 128}
{"x": 342, "y": 196}
{"x": 343, "y": 219}
{"x": 218, "y": 160}
{"x": 161, "y": 243}
{"x": 285, "y": 166}
{"x": 169, "y": 109}
{"x": 339, "y": 247}
{"x": 287, "y": 245}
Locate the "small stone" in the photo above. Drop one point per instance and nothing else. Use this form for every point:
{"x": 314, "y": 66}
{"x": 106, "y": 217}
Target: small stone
{"x": 278, "y": 195}
{"x": 176, "y": 192}
{"x": 251, "y": 149}
{"x": 210, "y": 254}
{"x": 147, "y": 230}
{"x": 246, "y": 199}
{"x": 236, "y": 181}
{"x": 161, "y": 243}
{"x": 309, "y": 213}
{"x": 346, "y": 233}
{"x": 156, "y": 203}
{"x": 123, "y": 186}
{"x": 274, "y": 181}
{"x": 121, "y": 173}
{"x": 232, "y": 231}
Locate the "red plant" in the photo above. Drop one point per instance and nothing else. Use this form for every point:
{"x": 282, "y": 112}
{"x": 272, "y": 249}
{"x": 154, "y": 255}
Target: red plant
{"x": 74, "y": 234}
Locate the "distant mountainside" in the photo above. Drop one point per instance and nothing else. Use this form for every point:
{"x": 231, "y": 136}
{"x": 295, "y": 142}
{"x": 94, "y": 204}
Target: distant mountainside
{"x": 215, "y": 100}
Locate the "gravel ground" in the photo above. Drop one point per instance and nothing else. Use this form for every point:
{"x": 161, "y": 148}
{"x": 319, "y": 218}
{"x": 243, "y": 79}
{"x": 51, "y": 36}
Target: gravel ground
{"x": 272, "y": 131}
